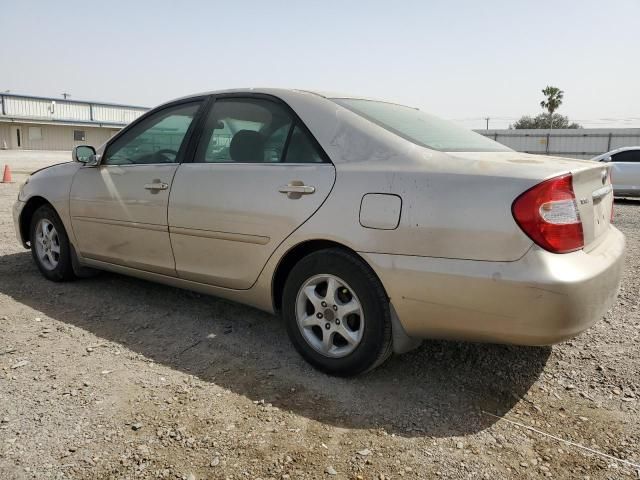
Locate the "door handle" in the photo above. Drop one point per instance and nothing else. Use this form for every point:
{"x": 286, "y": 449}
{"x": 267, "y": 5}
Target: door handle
{"x": 156, "y": 186}
{"x": 296, "y": 189}
{"x": 303, "y": 189}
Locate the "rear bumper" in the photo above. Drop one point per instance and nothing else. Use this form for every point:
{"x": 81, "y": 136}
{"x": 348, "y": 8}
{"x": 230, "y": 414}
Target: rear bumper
{"x": 540, "y": 299}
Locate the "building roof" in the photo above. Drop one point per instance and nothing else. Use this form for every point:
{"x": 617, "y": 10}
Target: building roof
{"x": 36, "y": 109}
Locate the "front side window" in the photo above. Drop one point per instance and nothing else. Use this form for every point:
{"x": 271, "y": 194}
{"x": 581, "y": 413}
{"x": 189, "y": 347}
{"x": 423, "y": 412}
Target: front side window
{"x": 157, "y": 139}
{"x": 421, "y": 128}
{"x": 253, "y": 130}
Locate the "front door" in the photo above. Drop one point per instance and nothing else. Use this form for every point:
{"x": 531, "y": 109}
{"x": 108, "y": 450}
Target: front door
{"x": 119, "y": 208}
{"x": 257, "y": 175}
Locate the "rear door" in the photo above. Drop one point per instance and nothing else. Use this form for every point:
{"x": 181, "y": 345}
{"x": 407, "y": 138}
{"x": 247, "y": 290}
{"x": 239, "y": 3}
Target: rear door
{"x": 119, "y": 208}
{"x": 257, "y": 175}
{"x": 626, "y": 171}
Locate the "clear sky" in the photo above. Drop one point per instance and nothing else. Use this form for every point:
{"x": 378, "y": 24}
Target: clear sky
{"x": 462, "y": 60}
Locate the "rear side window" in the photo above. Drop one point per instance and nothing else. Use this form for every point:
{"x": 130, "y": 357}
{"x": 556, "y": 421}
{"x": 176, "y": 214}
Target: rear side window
{"x": 421, "y": 128}
{"x": 627, "y": 156}
{"x": 251, "y": 130}
{"x": 301, "y": 149}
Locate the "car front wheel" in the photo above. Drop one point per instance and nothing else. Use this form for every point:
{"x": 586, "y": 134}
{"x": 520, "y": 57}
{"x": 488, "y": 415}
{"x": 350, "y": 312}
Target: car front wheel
{"x": 50, "y": 245}
{"x": 337, "y": 313}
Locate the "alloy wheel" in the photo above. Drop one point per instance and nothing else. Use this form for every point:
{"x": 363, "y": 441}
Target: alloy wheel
{"x": 329, "y": 315}
{"x": 47, "y": 244}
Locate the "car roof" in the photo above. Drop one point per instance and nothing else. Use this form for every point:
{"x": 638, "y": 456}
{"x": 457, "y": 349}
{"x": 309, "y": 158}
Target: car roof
{"x": 284, "y": 92}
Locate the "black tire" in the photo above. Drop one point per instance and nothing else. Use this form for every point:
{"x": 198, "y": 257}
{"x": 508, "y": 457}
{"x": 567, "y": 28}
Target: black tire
{"x": 376, "y": 344}
{"x": 63, "y": 271}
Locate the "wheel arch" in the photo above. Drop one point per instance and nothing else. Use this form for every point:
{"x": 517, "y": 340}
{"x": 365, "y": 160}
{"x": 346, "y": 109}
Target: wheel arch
{"x": 402, "y": 342}
{"x": 293, "y": 256}
{"x": 33, "y": 204}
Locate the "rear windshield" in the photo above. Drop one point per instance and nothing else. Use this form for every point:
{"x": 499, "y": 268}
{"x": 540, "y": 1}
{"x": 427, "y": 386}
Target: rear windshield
{"x": 421, "y": 128}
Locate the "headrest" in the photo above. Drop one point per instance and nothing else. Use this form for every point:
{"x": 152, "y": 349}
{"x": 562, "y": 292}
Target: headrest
{"x": 247, "y": 146}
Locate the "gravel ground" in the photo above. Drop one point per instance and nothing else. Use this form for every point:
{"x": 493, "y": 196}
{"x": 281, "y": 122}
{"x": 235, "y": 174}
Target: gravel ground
{"x": 114, "y": 377}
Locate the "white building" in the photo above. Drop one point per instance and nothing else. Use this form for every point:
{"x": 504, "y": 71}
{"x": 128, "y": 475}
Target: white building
{"x": 39, "y": 123}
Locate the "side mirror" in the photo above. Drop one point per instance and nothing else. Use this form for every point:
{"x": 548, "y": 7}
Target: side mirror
{"x": 606, "y": 159}
{"x": 84, "y": 154}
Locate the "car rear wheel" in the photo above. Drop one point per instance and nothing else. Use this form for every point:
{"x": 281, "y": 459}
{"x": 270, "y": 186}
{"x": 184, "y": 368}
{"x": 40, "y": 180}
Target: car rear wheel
{"x": 337, "y": 313}
{"x": 50, "y": 245}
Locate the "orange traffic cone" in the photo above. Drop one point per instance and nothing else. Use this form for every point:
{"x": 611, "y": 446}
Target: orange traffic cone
{"x": 6, "y": 176}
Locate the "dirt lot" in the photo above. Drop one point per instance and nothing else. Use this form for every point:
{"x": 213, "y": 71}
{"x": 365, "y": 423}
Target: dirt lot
{"x": 114, "y": 377}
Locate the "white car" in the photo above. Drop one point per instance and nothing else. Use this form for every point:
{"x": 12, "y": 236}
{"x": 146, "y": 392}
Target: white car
{"x": 625, "y": 170}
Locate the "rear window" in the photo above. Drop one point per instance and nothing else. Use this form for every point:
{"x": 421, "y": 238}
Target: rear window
{"x": 421, "y": 128}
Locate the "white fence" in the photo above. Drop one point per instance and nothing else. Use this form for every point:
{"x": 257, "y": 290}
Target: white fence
{"x": 575, "y": 143}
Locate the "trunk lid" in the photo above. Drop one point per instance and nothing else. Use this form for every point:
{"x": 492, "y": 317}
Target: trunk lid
{"x": 591, "y": 183}
{"x": 594, "y": 198}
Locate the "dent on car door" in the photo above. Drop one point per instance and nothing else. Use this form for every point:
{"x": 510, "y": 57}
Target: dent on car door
{"x": 257, "y": 175}
{"x": 119, "y": 208}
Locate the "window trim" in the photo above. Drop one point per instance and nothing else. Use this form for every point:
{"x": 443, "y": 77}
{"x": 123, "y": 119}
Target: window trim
{"x": 296, "y": 121}
{"x": 285, "y": 147}
{"x": 203, "y": 101}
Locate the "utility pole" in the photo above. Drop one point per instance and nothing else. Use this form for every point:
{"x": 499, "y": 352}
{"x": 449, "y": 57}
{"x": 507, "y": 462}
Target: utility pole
{"x": 66, "y": 95}
{"x": 487, "y": 119}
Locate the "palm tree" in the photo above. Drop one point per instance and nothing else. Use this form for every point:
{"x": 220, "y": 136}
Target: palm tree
{"x": 552, "y": 103}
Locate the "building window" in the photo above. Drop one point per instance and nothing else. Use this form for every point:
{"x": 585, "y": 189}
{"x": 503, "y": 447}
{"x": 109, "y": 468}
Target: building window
{"x": 35, "y": 133}
{"x": 78, "y": 136}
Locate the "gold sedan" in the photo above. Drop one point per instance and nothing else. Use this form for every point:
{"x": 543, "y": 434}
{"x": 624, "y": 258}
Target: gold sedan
{"x": 368, "y": 225}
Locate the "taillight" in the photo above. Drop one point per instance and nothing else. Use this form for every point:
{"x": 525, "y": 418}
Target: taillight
{"x": 549, "y": 215}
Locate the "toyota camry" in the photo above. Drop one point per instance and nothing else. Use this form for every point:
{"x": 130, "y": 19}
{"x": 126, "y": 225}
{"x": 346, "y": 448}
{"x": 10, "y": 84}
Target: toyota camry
{"x": 367, "y": 225}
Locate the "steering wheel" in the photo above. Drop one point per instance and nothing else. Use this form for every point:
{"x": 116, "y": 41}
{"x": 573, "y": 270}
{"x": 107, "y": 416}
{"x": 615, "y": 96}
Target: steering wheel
{"x": 167, "y": 151}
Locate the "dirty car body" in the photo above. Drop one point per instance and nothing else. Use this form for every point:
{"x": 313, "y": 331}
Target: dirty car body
{"x": 369, "y": 225}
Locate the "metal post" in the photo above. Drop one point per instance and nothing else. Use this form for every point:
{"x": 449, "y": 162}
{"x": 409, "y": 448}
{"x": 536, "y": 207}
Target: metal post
{"x": 91, "y": 112}
{"x": 2, "y": 101}
{"x": 609, "y": 142}
{"x": 548, "y": 138}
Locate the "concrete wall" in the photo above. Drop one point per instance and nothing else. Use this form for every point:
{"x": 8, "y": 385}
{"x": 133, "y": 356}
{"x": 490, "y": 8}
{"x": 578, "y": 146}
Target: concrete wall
{"x": 51, "y": 137}
{"x": 574, "y": 143}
